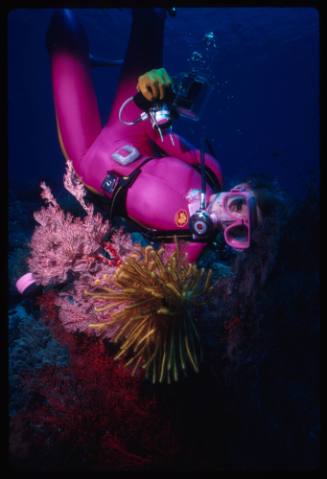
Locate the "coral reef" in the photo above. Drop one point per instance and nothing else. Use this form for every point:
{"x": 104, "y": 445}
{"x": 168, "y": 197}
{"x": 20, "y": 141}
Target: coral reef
{"x": 76, "y": 309}
{"x": 152, "y": 302}
{"x": 267, "y": 346}
{"x": 90, "y": 415}
{"x": 259, "y": 355}
{"x": 31, "y": 347}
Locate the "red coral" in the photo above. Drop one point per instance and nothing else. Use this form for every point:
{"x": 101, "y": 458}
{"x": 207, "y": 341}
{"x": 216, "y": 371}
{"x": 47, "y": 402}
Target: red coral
{"x": 114, "y": 257}
{"x": 49, "y": 313}
{"x": 232, "y": 324}
{"x": 90, "y": 414}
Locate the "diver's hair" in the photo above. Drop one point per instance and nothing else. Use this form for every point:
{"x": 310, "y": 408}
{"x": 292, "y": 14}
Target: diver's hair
{"x": 252, "y": 269}
{"x": 274, "y": 209}
{"x": 270, "y": 197}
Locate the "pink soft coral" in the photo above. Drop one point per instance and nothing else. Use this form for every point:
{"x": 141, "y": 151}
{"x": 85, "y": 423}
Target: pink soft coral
{"x": 76, "y": 307}
{"x": 61, "y": 242}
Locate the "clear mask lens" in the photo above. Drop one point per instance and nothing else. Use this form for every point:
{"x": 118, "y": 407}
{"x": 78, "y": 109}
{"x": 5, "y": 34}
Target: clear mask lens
{"x": 236, "y": 205}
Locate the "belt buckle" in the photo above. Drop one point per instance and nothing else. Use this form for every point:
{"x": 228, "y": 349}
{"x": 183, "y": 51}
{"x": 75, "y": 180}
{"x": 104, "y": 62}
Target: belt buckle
{"x": 110, "y": 183}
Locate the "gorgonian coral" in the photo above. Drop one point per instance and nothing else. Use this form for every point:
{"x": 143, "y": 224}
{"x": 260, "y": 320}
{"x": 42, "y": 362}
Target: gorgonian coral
{"x": 76, "y": 310}
{"x": 90, "y": 414}
{"x": 154, "y": 301}
{"x": 62, "y": 242}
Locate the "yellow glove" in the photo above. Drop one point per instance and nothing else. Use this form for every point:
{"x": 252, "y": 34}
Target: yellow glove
{"x": 154, "y": 83}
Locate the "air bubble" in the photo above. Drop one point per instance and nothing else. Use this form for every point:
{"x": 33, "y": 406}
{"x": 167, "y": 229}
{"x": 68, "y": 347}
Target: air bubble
{"x": 196, "y": 57}
{"x": 209, "y": 40}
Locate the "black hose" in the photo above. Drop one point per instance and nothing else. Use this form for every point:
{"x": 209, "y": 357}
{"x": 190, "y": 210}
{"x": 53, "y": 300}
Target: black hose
{"x": 203, "y": 175}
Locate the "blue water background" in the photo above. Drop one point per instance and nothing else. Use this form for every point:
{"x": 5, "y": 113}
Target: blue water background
{"x": 263, "y": 114}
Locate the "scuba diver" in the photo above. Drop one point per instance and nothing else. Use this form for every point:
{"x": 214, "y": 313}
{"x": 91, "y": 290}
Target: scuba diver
{"x": 150, "y": 174}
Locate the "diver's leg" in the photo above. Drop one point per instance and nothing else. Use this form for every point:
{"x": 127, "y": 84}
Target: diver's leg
{"x": 76, "y": 108}
{"x": 144, "y": 52}
{"x": 192, "y": 250}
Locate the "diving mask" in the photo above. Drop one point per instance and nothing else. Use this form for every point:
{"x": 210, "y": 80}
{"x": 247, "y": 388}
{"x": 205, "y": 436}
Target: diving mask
{"x": 236, "y": 212}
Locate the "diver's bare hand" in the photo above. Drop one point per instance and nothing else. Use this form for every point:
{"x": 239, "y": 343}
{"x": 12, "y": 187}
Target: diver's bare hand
{"x": 154, "y": 83}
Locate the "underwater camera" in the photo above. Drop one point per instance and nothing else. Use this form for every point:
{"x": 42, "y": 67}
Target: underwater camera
{"x": 186, "y": 98}
{"x": 191, "y": 95}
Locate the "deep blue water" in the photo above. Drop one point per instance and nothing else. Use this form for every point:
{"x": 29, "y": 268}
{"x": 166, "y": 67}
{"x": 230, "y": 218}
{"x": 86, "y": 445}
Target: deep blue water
{"x": 263, "y": 115}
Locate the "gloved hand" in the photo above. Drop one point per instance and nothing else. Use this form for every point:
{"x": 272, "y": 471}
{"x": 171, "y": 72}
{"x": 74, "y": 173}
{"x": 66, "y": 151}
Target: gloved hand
{"x": 154, "y": 83}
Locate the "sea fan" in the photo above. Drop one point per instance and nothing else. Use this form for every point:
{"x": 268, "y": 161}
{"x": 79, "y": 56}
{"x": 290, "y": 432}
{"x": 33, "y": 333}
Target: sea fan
{"x": 61, "y": 242}
{"x": 76, "y": 310}
{"x": 158, "y": 300}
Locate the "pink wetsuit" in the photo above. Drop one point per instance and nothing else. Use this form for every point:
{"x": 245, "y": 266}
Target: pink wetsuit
{"x": 157, "y": 198}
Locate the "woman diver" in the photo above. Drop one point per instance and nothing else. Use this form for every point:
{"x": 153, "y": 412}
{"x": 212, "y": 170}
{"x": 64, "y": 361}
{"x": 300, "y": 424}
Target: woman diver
{"x": 150, "y": 174}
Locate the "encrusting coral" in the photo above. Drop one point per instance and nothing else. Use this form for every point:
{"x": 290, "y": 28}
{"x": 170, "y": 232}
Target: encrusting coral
{"x": 157, "y": 299}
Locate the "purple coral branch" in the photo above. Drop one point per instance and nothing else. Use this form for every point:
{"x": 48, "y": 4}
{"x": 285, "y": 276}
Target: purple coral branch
{"x": 75, "y": 187}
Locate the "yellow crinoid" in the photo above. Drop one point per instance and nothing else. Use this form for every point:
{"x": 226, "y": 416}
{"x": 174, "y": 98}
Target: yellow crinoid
{"x": 156, "y": 299}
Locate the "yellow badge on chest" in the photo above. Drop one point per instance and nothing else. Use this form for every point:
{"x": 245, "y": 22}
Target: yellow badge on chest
{"x": 181, "y": 218}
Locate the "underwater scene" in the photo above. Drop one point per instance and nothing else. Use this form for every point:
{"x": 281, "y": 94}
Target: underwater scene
{"x": 164, "y": 253}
